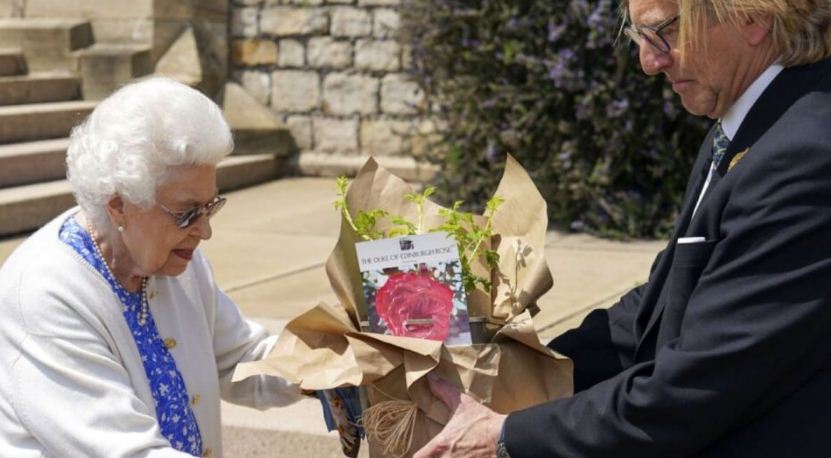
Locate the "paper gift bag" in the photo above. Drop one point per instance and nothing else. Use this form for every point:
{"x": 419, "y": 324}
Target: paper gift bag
{"x": 325, "y": 347}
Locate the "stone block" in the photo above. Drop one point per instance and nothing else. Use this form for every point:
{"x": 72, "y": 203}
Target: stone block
{"x": 292, "y": 53}
{"x": 326, "y": 52}
{"x": 257, "y": 83}
{"x": 385, "y": 23}
{"x": 346, "y": 94}
{"x": 351, "y": 22}
{"x": 244, "y": 22}
{"x": 407, "y": 57}
{"x": 424, "y": 138}
{"x": 341, "y": 2}
{"x": 22, "y": 123}
{"x": 32, "y": 162}
{"x": 338, "y": 136}
{"x": 116, "y": 31}
{"x": 105, "y": 68}
{"x": 256, "y": 129}
{"x": 248, "y": 2}
{"x": 89, "y": 9}
{"x": 295, "y": 91}
{"x": 117, "y": 9}
{"x": 286, "y": 21}
{"x": 209, "y": 10}
{"x": 48, "y": 43}
{"x": 9, "y": 8}
{"x": 301, "y": 130}
{"x": 212, "y": 39}
{"x": 329, "y": 165}
{"x": 181, "y": 61}
{"x": 164, "y": 33}
{"x": 173, "y": 9}
{"x": 47, "y": 8}
{"x": 12, "y": 62}
{"x": 240, "y": 171}
{"x": 303, "y": 2}
{"x": 25, "y": 208}
{"x": 385, "y": 137}
{"x": 379, "y": 55}
{"x": 378, "y": 2}
{"x": 253, "y": 51}
{"x": 38, "y": 88}
{"x": 400, "y": 95}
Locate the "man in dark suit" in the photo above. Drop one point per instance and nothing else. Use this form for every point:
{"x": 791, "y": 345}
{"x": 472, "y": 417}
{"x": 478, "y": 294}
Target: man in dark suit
{"x": 726, "y": 350}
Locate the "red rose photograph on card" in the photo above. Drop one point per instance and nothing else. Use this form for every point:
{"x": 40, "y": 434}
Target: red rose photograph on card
{"x": 413, "y": 288}
{"x": 415, "y": 305}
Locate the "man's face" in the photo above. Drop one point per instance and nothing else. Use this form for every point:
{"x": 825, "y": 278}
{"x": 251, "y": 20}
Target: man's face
{"x": 710, "y": 79}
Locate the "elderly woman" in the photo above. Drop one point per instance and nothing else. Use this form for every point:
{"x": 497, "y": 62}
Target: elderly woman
{"x": 115, "y": 340}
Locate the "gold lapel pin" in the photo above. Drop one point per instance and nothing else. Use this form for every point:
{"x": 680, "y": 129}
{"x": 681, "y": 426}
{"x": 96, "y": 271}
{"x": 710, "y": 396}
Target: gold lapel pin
{"x": 738, "y": 157}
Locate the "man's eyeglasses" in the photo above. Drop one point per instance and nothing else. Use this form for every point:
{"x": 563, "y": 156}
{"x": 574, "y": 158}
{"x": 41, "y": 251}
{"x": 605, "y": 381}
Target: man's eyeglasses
{"x": 654, "y": 35}
{"x": 186, "y": 218}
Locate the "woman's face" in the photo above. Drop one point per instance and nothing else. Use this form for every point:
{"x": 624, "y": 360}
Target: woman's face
{"x": 154, "y": 243}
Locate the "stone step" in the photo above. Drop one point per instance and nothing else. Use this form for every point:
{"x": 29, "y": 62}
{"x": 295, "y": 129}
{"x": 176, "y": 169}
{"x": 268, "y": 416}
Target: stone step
{"x": 12, "y": 62}
{"x": 47, "y": 43}
{"x": 24, "y": 208}
{"x": 333, "y": 165}
{"x": 240, "y": 171}
{"x": 256, "y": 129}
{"x": 32, "y": 162}
{"x": 38, "y": 88}
{"x": 105, "y": 68}
{"x": 39, "y": 121}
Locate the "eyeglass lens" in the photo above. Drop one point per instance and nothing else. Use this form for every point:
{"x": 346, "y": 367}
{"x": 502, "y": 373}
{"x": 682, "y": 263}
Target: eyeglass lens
{"x": 654, "y": 36}
{"x": 188, "y": 217}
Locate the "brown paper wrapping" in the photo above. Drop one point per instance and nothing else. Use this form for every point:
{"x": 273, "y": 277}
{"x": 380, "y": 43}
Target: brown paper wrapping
{"x": 324, "y": 348}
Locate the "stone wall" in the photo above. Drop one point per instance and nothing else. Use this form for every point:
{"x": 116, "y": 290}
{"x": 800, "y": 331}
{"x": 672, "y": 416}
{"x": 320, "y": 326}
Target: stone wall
{"x": 155, "y": 24}
{"x": 335, "y": 72}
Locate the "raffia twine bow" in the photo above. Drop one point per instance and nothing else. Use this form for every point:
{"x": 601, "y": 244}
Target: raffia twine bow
{"x": 391, "y": 424}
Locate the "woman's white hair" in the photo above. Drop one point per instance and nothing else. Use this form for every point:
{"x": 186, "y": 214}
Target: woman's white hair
{"x": 129, "y": 143}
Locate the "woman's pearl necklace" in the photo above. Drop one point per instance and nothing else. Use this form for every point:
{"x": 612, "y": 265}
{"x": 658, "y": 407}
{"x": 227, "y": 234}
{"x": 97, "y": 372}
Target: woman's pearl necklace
{"x": 145, "y": 307}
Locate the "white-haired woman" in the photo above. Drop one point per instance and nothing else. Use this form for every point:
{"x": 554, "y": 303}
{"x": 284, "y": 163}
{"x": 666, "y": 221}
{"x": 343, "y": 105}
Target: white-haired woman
{"x": 114, "y": 338}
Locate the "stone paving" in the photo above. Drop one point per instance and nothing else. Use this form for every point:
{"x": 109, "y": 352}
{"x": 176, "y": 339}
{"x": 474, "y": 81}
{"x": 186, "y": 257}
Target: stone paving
{"x": 268, "y": 249}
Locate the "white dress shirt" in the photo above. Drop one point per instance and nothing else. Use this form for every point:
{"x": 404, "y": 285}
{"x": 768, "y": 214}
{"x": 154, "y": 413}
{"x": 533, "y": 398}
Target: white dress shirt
{"x": 735, "y": 115}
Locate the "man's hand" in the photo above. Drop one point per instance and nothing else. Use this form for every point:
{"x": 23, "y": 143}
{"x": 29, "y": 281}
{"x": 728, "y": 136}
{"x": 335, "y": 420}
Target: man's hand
{"x": 473, "y": 429}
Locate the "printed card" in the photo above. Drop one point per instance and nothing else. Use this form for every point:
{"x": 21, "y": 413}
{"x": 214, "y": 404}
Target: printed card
{"x": 413, "y": 287}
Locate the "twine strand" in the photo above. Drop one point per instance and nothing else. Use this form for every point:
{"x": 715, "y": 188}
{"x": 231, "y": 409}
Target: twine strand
{"x": 390, "y": 424}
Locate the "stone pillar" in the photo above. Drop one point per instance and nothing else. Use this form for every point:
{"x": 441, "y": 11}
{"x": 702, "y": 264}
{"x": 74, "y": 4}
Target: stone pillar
{"x": 208, "y": 20}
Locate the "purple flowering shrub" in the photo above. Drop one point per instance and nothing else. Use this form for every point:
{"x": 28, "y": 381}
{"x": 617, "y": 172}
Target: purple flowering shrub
{"x": 549, "y": 82}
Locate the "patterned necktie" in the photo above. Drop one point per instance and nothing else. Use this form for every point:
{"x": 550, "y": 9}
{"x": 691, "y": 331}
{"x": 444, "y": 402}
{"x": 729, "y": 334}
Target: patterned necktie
{"x": 720, "y": 142}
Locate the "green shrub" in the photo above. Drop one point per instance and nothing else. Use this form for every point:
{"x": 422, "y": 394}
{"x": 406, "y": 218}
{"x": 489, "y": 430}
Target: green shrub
{"x": 547, "y": 81}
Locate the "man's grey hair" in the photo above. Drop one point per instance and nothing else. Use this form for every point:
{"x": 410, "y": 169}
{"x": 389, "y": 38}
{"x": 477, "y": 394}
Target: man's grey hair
{"x": 133, "y": 138}
{"x": 801, "y": 29}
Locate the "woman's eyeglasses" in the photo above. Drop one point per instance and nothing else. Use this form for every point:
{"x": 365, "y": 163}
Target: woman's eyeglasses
{"x": 654, "y": 35}
{"x": 186, "y": 218}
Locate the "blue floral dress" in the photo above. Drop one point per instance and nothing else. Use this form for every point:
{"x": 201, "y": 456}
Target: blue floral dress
{"x": 176, "y": 419}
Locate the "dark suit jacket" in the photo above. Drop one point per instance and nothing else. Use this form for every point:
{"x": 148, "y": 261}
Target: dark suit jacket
{"x": 726, "y": 350}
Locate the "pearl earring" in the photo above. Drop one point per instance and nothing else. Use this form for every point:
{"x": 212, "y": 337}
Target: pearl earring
{"x": 120, "y": 228}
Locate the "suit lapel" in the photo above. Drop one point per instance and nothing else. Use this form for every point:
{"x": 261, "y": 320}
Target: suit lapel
{"x": 783, "y": 92}
{"x": 791, "y": 84}
{"x": 651, "y": 307}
